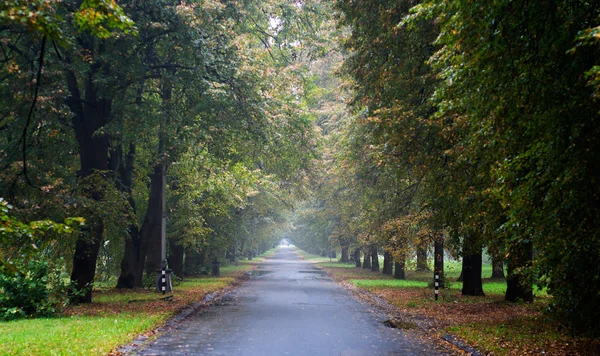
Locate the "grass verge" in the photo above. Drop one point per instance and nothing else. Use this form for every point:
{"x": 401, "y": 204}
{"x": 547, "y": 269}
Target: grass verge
{"x": 115, "y": 317}
{"x": 488, "y": 323}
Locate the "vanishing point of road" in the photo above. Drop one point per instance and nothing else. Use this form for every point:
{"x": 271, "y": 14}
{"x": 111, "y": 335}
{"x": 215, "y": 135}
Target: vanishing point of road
{"x": 290, "y": 308}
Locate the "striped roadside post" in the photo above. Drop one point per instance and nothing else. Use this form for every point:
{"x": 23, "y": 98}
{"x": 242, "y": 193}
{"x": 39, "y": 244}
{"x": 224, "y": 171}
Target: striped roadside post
{"x": 163, "y": 280}
{"x": 437, "y": 285}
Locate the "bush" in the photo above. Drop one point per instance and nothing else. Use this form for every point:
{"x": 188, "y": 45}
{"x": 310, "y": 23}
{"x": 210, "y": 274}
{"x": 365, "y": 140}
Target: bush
{"x": 32, "y": 289}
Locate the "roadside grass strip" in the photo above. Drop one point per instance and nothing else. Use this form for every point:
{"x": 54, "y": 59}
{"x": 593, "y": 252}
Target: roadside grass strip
{"x": 116, "y": 317}
{"x": 488, "y": 323}
{"x": 76, "y": 335}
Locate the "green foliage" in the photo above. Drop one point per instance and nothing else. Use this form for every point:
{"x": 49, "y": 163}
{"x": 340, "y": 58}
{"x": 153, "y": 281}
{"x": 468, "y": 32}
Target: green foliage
{"x": 101, "y": 17}
{"x": 32, "y": 284}
{"x": 36, "y": 288}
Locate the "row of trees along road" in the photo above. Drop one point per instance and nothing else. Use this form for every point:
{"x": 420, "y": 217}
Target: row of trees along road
{"x": 101, "y": 101}
{"x": 473, "y": 125}
{"x": 465, "y": 125}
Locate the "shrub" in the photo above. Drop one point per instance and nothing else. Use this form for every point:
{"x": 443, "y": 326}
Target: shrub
{"x": 32, "y": 289}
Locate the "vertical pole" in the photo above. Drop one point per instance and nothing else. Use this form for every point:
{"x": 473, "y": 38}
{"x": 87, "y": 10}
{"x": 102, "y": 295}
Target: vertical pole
{"x": 437, "y": 285}
{"x": 163, "y": 224}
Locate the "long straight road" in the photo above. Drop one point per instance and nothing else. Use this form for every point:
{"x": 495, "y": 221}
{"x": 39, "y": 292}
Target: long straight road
{"x": 288, "y": 307}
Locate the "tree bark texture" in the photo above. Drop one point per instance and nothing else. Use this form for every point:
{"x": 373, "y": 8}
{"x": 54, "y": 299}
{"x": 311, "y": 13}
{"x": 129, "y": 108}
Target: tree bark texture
{"x": 374, "y": 260}
{"x": 367, "y": 259}
{"x": 132, "y": 264}
{"x": 90, "y": 114}
{"x": 516, "y": 286}
{"x": 193, "y": 262}
{"x": 422, "y": 258}
{"x": 215, "y": 267}
{"x": 497, "y": 268}
{"x": 399, "y": 272}
{"x": 176, "y": 258}
{"x": 344, "y": 254}
{"x": 387, "y": 263}
{"x": 151, "y": 227}
{"x": 471, "y": 272}
{"x": 357, "y": 257}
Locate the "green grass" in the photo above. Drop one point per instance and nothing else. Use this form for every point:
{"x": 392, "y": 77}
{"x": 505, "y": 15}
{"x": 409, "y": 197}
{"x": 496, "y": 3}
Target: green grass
{"x": 387, "y": 283}
{"x": 335, "y": 264}
{"x": 110, "y": 325}
{"x": 82, "y": 335}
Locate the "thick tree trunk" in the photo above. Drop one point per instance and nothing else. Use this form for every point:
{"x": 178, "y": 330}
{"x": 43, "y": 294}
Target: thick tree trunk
{"x": 471, "y": 271}
{"x": 344, "y": 254}
{"x": 367, "y": 259}
{"x": 374, "y": 260}
{"x": 235, "y": 253}
{"x": 357, "y": 257}
{"x": 497, "y": 268}
{"x": 176, "y": 258}
{"x": 399, "y": 272}
{"x": 215, "y": 267}
{"x": 90, "y": 114}
{"x": 516, "y": 287}
{"x": 387, "y": 263}
{"x": 84, "y": 260}
{"x": 131, "y": 264}
{"x": 438, "y": 259}
{"x": 151, "y": 228}
{"x": 193, "y": 261}
{"x": 422, "y": 258}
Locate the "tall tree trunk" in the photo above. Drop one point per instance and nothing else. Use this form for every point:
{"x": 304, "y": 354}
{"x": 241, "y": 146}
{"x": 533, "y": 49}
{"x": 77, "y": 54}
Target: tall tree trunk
{"x": 84, "y": 259}
{"x": 471, "y": 269}
{"x": 131, "y": 264}
{"x": 90, "y": 114}
{"x": 151, "y": 227}
{"x": 154, "y": 226}
{"x": 497, "y": 267}
{"x": 438, "y": 258}
{"x": 215, "y": 266}
{"x": 235, "y": 252}
{"x": 374, "y": 260}
{"x": 367, "y": 259}
{"x": 399, "y": 272}
{"x": 176, "y": 258}
{"x": 357, "y": 257}
{"x": 387, "y": 263}
{"x": 422, "y": 258}
{"x": 344, "y": 254}
{"x": 193, "y": 261}
{"x": 516, "y": 286}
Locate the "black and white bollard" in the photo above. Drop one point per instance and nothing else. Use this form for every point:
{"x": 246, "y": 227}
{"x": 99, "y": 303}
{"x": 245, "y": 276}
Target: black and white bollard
{"x": 163, "y": 280}
{"x": 437, "y": 285}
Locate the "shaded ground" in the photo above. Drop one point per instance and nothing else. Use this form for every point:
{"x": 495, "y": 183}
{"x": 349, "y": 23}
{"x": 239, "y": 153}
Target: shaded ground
{"x": 287, "y": 308}
{"x": 489, "y": 324}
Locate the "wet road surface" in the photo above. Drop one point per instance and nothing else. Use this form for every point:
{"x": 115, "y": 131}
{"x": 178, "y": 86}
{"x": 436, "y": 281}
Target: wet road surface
{"x": 288, "y": 307}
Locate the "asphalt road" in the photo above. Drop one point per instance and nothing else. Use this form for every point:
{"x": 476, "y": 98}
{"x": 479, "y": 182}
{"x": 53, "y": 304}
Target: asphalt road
{"x": 288, "y": 307}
